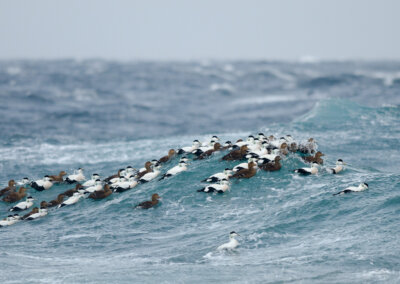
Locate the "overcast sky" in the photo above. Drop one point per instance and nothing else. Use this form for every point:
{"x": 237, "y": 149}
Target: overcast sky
{"x": 204, "y": 29}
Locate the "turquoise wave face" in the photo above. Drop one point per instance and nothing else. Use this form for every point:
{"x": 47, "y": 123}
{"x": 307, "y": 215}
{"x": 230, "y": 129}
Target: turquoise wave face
{"x": 291, "y": 227}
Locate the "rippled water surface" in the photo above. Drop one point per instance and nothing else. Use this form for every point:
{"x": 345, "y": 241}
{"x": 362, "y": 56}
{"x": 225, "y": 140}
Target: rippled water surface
{"x": 102, "y": 116}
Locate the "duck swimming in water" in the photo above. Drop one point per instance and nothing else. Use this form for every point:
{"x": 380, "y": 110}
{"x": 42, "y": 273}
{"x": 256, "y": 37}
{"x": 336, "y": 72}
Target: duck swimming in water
{"x": 15, "y": 196}
{"x": 363, "y": 186}
{"x": 217, "y": 187}
{"x": 78, "y": 177}
{"x": 101, "y": 194}
{"x": 171, "y": 154}
{"x": 181, "y": 167}
{"x": 219, "y": 176}
{"x": 308, "y": 171}
{"x": 236, "y": 154}
{"x": 10, "y": 220}
{"x": 315, "y": 159}
{"x": 232, "y": 244}
{"x": 23, "y": 205}
{"x": 42, "y": 184}
{"x": 10, "y": 187}
{"x": 58, "y": 178}
{"x": 246, "y": 173}
{"x": 148, "y": 204}
{"x": 339, "y": 167}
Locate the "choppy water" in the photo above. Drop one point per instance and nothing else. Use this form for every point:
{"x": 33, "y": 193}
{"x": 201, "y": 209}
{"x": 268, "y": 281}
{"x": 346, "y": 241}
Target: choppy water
{"x": 99, "y": 115}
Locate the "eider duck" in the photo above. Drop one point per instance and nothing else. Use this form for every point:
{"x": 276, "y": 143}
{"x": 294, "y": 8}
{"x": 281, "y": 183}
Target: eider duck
{"x": 40, "y": 213}
{"x": 117, "y": 175}
{"x": 98, "y": 186}
{"x": 34, "y": 211}
{"x": 151, "y": 175}
{"x": 362, "y": 186}
{"x": 242, "y": 166}
{"x": 181, "y": 167}
{"x": 10, "y": 187}
{"x": 236, "y": 154}
{"x": 78, "y": 177}
{"x": 171, "y": 154}
{"x": 71, "y": 192}
{"x": 339, "y": 167}
{"x": 217, "y": 187}
{"x": 227, "y": 145}
{"x": 195, "y": 145}
{"x": 73, "y": 199}
{"x": 246, "y": 173}
{"x": 100, "y": 194}
{"x": 124, "y": 186}
{"x": 23, "y": 205}
{"x": 232, "y": 244}
{"x": 58, "y": 178}
{"x": 315, "y": 159}
{"x": 10, "y": 220}
{"x": 56, "y": 202}
{"x": 148, "y": 204}
{"x": 92, "y": 180}
{"x": 42, "y": 184}
{"x": 219, "y": 176}
{"x": 208, "y": 153}
{"x": 15, "y": 196}
{"x": 147, "y": 169}
{"x": 271, "y": 167}
{"x": 308, "y": 171}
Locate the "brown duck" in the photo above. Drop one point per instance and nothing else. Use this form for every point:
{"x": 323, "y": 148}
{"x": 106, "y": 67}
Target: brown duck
{"x": 117, "y": 175}
{"x": 271, "y": 167}
{"x": 147, "y": 165}
{"x": 208, "y": 153}
{"x": 101, "y": 193}
{"x": 284, "y": 149}
{"x": 246, "y": 173}
{"x": 148, "y": 204}
{"x": 59, "y": 200}
{"x": 14, "y": 196}
{"x": 34, "y": 211}
{"x": 171, "y": 154}
{"x": 71, "y": 192}
{"x": 236, "y": 154}
{"x": 10, "y": 187}
{"x": 59, "y": 177}
{"x": 315, "y": 159}
{"x": 43, "y": 205}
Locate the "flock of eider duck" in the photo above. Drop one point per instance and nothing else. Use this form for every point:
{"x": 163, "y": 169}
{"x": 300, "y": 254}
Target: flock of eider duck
{"x": 260, "y": 153}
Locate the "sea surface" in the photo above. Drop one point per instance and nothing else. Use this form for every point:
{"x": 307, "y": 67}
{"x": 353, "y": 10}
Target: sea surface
{"x": 105, "y": 115}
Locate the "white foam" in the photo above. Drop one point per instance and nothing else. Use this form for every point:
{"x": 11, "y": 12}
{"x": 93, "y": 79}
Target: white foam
{"x": 224, "y": 87}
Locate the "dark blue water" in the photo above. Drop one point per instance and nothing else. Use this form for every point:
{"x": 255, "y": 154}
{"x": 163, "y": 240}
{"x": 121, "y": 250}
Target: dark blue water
{"x": 102, "y": 115}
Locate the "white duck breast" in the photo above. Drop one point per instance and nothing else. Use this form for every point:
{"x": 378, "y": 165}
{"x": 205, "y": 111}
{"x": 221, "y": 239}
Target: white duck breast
{"x": 41, "y": 213}
{"x": 23, "y": 205}
{"x": 241, "y": 166}
{"x": 123, "y": 186}
{"x": 177, "y": 169}
{"x": 92, "y": 181}
{"x": 308, "y": 171}
{"x": 72, "y": 200}
{"x": 150, "y": 176}
{"x": 97, "y": 187}
{"x": 232, "y": 244}
{"x": 338, "y": 168}
{"x": 363, "y": 186}
{"x": 76, "y": 177}
{"x": 216, "y": 187}
{"x": 10, "y": 220}
{"x": 219, "y": 176}
{"x": 42, "y": 184}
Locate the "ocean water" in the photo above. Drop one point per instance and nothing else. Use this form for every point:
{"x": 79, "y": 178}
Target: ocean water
{"x": 105, "y": 115}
